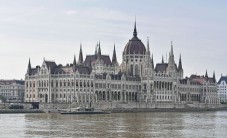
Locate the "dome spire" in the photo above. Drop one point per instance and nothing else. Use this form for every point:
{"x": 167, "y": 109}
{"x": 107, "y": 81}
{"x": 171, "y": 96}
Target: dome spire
{"x": 135, "y": 32}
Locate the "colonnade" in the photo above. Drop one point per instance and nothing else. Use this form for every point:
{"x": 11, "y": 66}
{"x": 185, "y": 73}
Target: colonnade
{"x": 116, "y": 96}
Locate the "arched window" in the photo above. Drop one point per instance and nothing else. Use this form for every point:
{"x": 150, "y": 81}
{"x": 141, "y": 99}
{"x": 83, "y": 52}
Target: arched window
{"x": 136, "y": 70}
{"x": 131, "y": 69}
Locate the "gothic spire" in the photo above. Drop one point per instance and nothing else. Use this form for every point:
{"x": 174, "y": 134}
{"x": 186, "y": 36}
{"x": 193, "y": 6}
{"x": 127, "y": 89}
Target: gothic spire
{"x": 171, "y": 47}
{"x": 206, "y": 75}
{"x": 114, "y": 58}
{"x": 29, "y": 67}
{"x": 81, "y": 55}
{"x": 214, "y": 78}
{"x": 135, "y": 31}
{"x": 96, "y": 49}
{"x": 162, "y": 59}
{"x": 152, "y": 62}
{"x": 74, "y": 61}
{"x": 99, "y": 51}
{"x": 148, "y": 47}
{"x": 180, "y": 63}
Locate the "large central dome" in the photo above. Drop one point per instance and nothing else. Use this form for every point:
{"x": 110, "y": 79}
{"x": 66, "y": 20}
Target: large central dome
{"x": 135, "y": 45}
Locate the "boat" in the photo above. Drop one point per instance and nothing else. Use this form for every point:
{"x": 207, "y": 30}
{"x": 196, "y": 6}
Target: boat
{"x": 82, "y": 110}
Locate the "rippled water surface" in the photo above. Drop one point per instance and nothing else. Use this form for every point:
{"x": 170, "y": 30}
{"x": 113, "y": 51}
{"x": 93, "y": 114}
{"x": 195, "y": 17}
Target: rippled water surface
{"x": 130, "y": 125}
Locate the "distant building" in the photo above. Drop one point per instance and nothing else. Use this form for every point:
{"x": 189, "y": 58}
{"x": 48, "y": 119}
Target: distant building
{"x": 222, "y": 89}
{"x": 12, "y": 90}
{"x": 198, "y": 89}
{"x": 100, "y": 79}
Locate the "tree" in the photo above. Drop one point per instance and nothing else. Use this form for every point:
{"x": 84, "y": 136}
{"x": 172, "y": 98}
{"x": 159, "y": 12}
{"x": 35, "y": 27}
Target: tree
{"x": 2, "y": 98}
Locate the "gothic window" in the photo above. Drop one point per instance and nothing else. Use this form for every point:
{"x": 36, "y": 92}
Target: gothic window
{"x": 56, "y": 83}
{"x": 136, "y": 70}
{"x": 131, "y": 69}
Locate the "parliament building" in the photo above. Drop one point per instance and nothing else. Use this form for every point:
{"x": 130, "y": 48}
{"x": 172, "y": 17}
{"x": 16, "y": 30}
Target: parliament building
{"x": 98, "y": 78}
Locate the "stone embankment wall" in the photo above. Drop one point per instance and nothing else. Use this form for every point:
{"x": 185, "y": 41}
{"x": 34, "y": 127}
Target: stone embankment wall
{"x": 128, "y": 105}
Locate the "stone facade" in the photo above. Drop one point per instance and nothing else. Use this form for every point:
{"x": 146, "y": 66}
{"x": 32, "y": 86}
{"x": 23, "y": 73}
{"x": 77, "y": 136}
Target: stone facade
{"x": 222, "y": 90}
{"x": 99, "y": 79}
{"x": 12, "y": 90}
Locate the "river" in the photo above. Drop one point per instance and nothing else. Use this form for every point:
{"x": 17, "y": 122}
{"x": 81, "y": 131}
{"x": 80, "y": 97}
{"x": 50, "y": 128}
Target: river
{"x": 129, "y": 125}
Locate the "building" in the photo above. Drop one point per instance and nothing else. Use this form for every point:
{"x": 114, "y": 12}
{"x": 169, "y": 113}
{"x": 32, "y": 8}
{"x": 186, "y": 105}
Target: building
{"x": 198, "y": 89}
{"x": 12, "y": 90}
{"x": 222, "y": 90}
{"x": 100, "y": 79}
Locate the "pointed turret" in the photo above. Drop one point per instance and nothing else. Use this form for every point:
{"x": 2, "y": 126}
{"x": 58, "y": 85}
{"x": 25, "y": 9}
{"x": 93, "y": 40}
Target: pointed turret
{"x": 29, "y": 67}
{"x": 162, "y": 59}
{"x": 114, "y": 58}
{"x": 135, "y": 31}
{"x": 99, "y": 52}
{"x": 206, "y": 75}
{"x": 148, "y": 46}
{"x": 180, "y": 64}
{"x": 152, "y": 62}
{"x": 214, "y": 78}
{"x": 171, "y": 52}
{"x": 74, "y": 60}
{"x": 171, "y": 56}
{"x": 74, "y": 63}
{"x": 96, "y": 49}
{"x": 81, "y": 55}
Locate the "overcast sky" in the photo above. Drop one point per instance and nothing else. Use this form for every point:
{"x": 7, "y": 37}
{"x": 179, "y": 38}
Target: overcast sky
{"x": 54, "y": 29}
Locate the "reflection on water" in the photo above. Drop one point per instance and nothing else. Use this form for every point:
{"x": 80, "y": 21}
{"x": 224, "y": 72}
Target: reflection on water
{"x": 129, "y": 125}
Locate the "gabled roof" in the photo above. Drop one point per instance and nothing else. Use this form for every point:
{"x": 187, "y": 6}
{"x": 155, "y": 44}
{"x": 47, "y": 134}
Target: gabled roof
{"x": 63, "y": 70}
{"x": 161, "y": 67}
{"x": 51, "y": 65}
{"x": 223, "y": 78}
{"x": 34, "y": 71}
{"x": 83, "y": 69}
{"x": 10, "y": 82}
{"x": 91, "y": 58}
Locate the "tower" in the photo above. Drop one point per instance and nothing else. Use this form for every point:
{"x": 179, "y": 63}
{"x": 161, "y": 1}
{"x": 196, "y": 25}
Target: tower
{"x": 171, "y": 69}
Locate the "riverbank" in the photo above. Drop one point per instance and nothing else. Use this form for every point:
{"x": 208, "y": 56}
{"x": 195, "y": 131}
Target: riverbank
{"x": 18, "y": 111}
{"x": 134, "y": 110}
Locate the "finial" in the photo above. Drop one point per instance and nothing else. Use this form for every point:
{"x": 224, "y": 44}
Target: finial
{"x": 135, "y": 31}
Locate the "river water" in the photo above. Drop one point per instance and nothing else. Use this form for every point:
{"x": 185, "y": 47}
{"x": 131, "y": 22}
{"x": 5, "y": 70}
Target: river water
{"x": 129, "y": 125}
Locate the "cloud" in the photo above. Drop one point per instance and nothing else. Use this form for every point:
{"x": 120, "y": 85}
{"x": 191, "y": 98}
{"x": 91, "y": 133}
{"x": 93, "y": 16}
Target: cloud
{"x": 21, "y": 15}
{"x": 71, "y": 12}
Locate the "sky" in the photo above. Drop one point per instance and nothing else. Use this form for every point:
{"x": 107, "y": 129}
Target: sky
{"x": 54, "y": 30}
